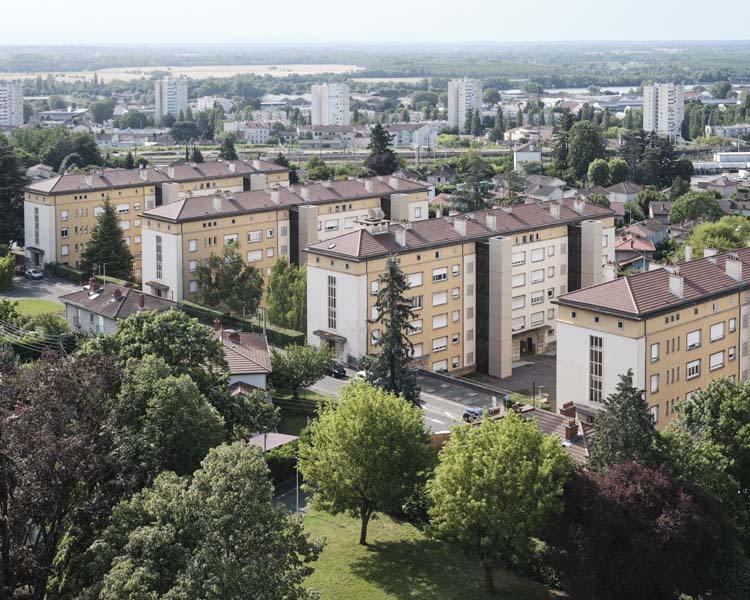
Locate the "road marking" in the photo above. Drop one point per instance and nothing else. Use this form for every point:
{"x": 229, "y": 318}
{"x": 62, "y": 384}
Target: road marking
{"x": 438, "y": 421}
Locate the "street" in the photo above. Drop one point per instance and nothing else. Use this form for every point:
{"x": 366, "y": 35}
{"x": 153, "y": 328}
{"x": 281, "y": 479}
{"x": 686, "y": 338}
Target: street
{"x": 49, "y": 288}
{"x": 443, "y": 402}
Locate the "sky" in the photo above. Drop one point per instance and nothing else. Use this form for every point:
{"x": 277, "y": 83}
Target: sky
{"x": 327, "y": 21}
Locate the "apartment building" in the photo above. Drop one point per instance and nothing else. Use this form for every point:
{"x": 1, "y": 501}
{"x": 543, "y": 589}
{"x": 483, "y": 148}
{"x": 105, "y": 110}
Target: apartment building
{"x": 330, "y": 104}
{"x": 171, "y": 97}
{"x": 663, "y": 109}
{"x": 481, "y": 285}
{"x": 11, "y": 104}
{"x": 464, "y": 96}
{"x": 413, "y": 135}
{"x": 60, "y": 212}
{"x": 676, "y": 327}
{"x": 267, "y": 224}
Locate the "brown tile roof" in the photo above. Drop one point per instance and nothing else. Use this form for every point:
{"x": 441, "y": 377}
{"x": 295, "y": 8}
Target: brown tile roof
{"x": 645, "y": 293}
{"x": 246, "y": 353}
{"x": 624, "y": 187}
{"x": 634, "y": 244}
{"x": 106, "y": 304}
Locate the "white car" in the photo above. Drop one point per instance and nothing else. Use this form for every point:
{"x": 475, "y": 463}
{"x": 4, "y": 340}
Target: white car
{"x": 34, "y": 274}
{"x": 360, "y": 376}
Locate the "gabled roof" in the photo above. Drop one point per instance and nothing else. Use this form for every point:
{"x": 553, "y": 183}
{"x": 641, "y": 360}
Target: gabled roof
{"x": 107, "y": 304}
{"x": 634, "y": 244}
{"x": 660, "y": 208}
{"x": 246, "y": 353}
{"x": 624, "y": 187}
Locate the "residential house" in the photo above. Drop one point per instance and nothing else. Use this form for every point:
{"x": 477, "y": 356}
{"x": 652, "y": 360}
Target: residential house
{"x": 527, "y": 153}
{"x": 248, "y": 357}
{"x": 623, "y": 191}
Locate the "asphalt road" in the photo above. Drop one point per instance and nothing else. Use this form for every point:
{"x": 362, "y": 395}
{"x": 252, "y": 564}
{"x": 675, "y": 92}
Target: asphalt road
{"x": 49, "y": 288}
{"x": 443, "y": 403}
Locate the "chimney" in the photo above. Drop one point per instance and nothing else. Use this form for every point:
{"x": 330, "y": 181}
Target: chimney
{"x": 393, "y": 182}
{"x": 143, "y": 173}
{"x": 460, "y": 226}
{"x": 117, "y": 294}
{"x": 368, "y": 185}
{"x": 554, "y": 209}
{"x": 256, "y": 165}
{"x": 142, "y": 302}
{"x": 688, "y": 253}
{"x": 709, "y": 252}
{"x": 217, "y": 325}
{"x": 232, "y": 166}
{"x": 733, "y": 267}
{"x": 88, "y": 179}
{"x": 217, "y": 203}
{"x": 568, "y": 410}
{"x": 92, "y": 284}
{"x": 579, "y": 205}
{"x": 438, "y": 212}
{"x": 491, "y": 221}
{"x": 400, "y": 236}
{"x": 233, "y": 335}
{"x": 676, "y": 283}
{"x": 304, "y": 192}
{"x": 170, "y": 172}
{"x": 571, "y": 430}
{"x": 275, "y": 197}
{"x": 610, "y": 274}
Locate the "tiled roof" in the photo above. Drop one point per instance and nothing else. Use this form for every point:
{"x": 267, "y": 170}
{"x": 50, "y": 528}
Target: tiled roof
{"x": 635, "y": 244}
{"x": 106, "y": 304}
{"x": 660, "y": 208}
{"x": 105, "y": 179}
{"x": 643, "y": 293}
{"x": 246, "y": 353}
{"x": 624, "y": 187}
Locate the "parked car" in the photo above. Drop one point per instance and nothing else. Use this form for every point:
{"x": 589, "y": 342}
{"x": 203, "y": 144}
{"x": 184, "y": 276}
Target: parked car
{"x": 473, "y": 413}
{"x": 336, "y": 370}
{"x": 360, "y": 376}
{"x": 34, "y": 274}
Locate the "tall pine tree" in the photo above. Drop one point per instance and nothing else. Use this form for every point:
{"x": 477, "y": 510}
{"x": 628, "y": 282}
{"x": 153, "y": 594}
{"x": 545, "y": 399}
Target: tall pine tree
{"x": 12, "y": 181}
{"x": 389, "y": 369}
{"x": 107, "y": 250}
{"x": 382, "y": 160}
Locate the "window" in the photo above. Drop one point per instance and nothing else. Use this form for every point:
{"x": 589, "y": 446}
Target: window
{"x": 254, "y": 236}
{"x": 331, "y": 302}
{"x": 231, "y": 238}
{"x": 269, "y": 252}
{"x": 98, "y": 210}
{"x": 537, "y": 276}
{"x": 123, "y": 209}
{"x": 654, "y": 352}
{"x": 349, "y": 222}
{"x": 595, "y": 369}
{"x": 550, "y": 250}
{"x": 605, "y": 240}
{"x": 717, "y": 331}
{"x": 416, "y": 350}
{"x": 518, "y": 302}
{"x": 440, "y": 344}
{"x": 332, "y": 225}
{"x": 439, "y": 321}
{"x": 455, "y": 338}
{"x": 537, "y": 297}
{"x": 456, "y": 270}
{"x": 374, "y": 286}
{"x": 441, "y": 365}
{"x": 732, "y": 325}
{"x": 654, "y": 383}
{"x": 440, "y": 274}
{"x": 125, "y": 224}
{"x": 159, "y": 257}
{"x": 694, "y": 339}
{"x": 417, "y": 302}
{"x": 65, "y": 249}
{"x": 64, "y": 232}
{"x": 537, "y": 318}
{"x": 519, "y": 323}
{"x": 716, "y": 361}
{"x": 269, "y": 233}
{"x": 418, "y": 212}
{"x": 537, "y": 255}
{"x": 654, "y": 413}
{"x": 620, "y": 325}
{"x": 456, "y": 316}
{"x": 519, "y": 280}
{"x": 192, "y": 286}
{"x": 550, "y": 314}
{"x": 551, "y": 293}
{"x": 518, "y": 258}
{"x": 193, "y": 266}
{"x": 192, "y": 244}
{"x": 732, "y": 353}
{"x": 550, "y": 271}
{"x": 454, "y": 362}
{"x": 64, "y": 215}
{"x": 416, "y": 327}
{"x": 374, "y": 337}
{"x": 415, "y": 279}
{"x": 439, "y": 298}
{"x": 137, "y": 239}
{"x": 254, "y": 255}
{"x": 455, "y": 292}
{"x": 693, "y": 369}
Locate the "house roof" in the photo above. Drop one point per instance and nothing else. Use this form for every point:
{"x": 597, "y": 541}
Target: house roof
{"x": 660, "y": 208}
{"x": 105, "y": 179}
{"x": 106, "y": 303}
{"x": 246, "y": 353}
{"x": 544, "y": 180}
{"x": 634, "y": 244}
{"x": 624, "y": 187}
{"x": 639, "y": 295}
{"x": 645, "y": 228}
{"x": 530, "y": 147}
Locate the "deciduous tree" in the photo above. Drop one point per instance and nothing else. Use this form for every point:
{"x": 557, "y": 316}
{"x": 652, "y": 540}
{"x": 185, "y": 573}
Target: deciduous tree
{"x": 585, "y": 145}
{"x": 598, "y": 172}
{"x": 695, "y": 205}
{"x": 286, "y": 297}
{"x": 226, "y": 282}
{"x": 299, "y": 366}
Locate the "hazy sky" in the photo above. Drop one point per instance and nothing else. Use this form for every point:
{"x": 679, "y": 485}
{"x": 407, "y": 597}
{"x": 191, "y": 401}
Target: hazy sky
{"x": 105, "y": 21}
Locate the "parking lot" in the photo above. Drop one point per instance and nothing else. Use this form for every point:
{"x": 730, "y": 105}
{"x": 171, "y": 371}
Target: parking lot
{"x": 49, "y": 288}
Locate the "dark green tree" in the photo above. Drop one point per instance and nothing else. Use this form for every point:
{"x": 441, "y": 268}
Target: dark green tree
{"x": 129, "y": 162}
{"x": 107, "y": 251}
{"x": 197, "y": 155}
{"x": 476, "y": 123}
{"x": 598, "y": 172}
{"x": 286, "y": 296}
{"x": 284, "y": 162}
{"x": 624, "y": 428}
{"x": 382, "y": 159}
{"x": 695, "y": 205}
{"x": 474, "y": 189}
{"x": 618, "y": 171}
{"x": 227, "y": 150}
{"x": 389, "y": 368}
{"x": 12, "y": 182}
{"x": 585, "y": 145}
{"x": 317, "y": 170}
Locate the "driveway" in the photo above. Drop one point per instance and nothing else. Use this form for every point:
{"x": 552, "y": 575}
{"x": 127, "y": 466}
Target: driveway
{"x": 49, "y": 288}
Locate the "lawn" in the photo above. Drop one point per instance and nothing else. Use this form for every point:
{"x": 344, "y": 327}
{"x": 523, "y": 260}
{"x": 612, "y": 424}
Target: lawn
{"x": 295, "y": 413}
{"x": 401, "y": 563}
{"x": 30, "y": 307}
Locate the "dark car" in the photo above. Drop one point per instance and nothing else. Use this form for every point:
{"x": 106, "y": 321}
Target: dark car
{"x": 472, "y": 414}
{"x": 336, "y": 370}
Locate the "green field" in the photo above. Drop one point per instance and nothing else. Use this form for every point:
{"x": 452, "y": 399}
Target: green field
{"x": 401, "y": 563}
{"x": 30, "y": 307}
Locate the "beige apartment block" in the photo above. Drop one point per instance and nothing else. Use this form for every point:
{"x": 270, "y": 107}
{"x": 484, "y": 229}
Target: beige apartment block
{"x": 481, "y": 284}
{"x": 60, "y": 212}
{"x": 678, "y": 328}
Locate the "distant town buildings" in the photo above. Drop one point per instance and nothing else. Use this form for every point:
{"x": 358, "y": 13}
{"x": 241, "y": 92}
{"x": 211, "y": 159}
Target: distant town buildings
{"x": 11, "y": 104}
{"x": 663, "y": 109}
{"x": 330, "y": 104}
{"x": 171, "y": 97}
{"x": 464, "y": 96}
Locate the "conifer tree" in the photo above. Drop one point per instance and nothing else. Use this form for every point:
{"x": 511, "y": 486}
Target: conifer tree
{"x": 382, "y": 160}
{"x": 107, "y": 249}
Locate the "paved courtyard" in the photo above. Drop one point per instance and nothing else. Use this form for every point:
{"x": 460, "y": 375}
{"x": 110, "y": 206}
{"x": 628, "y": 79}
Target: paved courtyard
{"x": 49, "y": 288}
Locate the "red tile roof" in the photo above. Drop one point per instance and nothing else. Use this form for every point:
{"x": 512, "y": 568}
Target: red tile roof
{"x": 246, "y": 353}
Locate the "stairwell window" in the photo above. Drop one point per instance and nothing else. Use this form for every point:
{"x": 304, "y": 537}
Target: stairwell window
{"x": 331, "y": 302}
{"x": 595, "y": 368}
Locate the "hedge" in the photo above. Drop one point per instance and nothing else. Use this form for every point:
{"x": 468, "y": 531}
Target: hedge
{"x": 67, "y": 272}
{"x": 115, "y": 280}
{"x": 7, "y": 268}
{"x": 277, "y": 336}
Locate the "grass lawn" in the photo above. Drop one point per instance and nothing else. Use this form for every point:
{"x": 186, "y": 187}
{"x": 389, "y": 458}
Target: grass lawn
{"x": 401, "y": 563}
{"x": 30, "y": 307}
{"x": 296, "y": 412}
